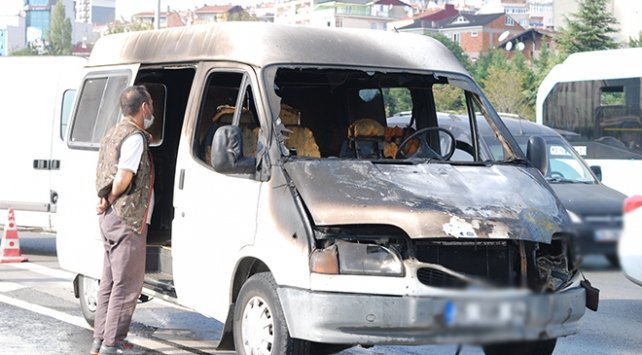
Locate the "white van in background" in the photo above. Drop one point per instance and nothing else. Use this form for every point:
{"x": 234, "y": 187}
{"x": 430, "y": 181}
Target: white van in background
{"x": 36, "y": 97}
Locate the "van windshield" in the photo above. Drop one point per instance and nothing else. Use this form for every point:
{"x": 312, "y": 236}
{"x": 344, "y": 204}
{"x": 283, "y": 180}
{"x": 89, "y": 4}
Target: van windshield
{"x": 382, "y": 116}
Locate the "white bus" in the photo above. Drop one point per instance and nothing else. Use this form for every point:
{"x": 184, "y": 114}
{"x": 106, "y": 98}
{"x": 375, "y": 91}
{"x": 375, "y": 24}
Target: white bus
{"x": 594, "y": 100}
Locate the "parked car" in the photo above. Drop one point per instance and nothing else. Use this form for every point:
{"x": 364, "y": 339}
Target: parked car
{"x": 630, "y": 244}
{"x": 594, "y": 208}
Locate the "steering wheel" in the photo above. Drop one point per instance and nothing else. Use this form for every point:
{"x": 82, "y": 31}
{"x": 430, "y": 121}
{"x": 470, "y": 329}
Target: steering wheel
{"x": 424, "y": 149}
{"x": 556, "y": 175}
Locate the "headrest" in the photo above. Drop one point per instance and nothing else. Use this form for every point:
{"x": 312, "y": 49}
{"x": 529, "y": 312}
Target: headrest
{"x": 227, "y": 110}
{"x": 366, "y": 127}
{"x": 222, "y": 111}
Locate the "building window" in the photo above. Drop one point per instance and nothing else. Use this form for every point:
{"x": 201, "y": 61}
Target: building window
{"x": 508, "y": 21}
{"x": 457, "y": 38}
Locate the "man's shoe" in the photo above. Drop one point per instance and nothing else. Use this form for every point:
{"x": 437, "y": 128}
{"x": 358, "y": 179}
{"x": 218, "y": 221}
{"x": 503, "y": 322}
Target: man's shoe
{"x": 95, "y": 347}
{"x": 119, "y": 349}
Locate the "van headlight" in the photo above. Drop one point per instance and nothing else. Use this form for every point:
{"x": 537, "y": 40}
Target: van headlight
{"x": 357, "y": 259}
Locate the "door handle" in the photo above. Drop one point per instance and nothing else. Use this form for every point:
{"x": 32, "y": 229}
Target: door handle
{"x": 44, "y": 164}
{"x": 181, "y": 179}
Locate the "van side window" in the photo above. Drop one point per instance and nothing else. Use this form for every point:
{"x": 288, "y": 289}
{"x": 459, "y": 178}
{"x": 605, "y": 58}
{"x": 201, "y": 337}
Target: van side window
{"x": 68, "y": 98}
{"x": 98, "y": 109}
{"x": 219, "y": 108}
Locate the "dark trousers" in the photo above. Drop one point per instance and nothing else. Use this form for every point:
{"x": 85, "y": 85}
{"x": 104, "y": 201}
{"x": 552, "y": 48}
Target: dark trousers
{"x": 122, "y": 279}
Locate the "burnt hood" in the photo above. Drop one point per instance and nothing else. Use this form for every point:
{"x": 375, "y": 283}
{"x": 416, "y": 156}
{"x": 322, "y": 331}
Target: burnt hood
{"x": 430, "y": 200}
{"x": 589, "y": 199}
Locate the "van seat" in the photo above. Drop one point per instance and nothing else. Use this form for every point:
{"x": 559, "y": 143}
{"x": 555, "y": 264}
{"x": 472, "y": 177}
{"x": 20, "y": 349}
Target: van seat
{"x": 365, "y": 140}
{"x": 223, "y": 116}
{"x": 298, "y": 138}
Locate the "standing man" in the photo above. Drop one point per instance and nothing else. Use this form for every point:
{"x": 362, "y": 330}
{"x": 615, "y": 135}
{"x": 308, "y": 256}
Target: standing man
{"x": 124, "y": 182}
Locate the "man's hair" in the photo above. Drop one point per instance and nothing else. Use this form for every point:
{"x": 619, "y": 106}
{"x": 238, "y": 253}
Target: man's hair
{"x": 132, "y": 98}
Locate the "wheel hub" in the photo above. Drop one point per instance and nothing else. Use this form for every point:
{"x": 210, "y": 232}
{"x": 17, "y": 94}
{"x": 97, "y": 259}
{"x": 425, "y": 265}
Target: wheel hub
{"x": 257, "y": 327}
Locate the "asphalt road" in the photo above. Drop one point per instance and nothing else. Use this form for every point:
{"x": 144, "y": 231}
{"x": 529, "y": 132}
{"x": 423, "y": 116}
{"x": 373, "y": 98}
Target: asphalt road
{"x": 39, "y": 315}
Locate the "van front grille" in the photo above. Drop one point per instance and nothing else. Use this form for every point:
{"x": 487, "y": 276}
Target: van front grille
{"x": 493, "y": 261}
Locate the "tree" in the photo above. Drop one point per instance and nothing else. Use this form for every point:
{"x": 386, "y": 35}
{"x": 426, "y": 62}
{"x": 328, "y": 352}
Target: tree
{"x": 59, "y": 36}
{"x": 636, "y": 42}
{"x": 504, "y": 90}
{"x": 589, "y": 30}
{"x": 493, "y": 58}
{"x": 125, "y": 26}
{"x": 504, "y": 82}
{"x": 30, "y": 49}
{"x": 541, "y": 66}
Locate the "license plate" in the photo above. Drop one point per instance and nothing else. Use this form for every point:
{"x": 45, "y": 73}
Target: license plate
{"x": 607, "y": 235}
{"x": 485, "y": 313}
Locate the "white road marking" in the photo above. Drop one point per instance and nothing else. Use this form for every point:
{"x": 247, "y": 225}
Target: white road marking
{"x": 47, "y": 271}
{"x": 68, "y": 318}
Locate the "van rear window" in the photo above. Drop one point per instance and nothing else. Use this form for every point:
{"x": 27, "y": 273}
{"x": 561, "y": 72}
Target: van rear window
{"x": 98, "y": 109}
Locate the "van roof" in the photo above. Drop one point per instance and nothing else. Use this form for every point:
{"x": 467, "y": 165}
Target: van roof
{"x": 261, "y": 44}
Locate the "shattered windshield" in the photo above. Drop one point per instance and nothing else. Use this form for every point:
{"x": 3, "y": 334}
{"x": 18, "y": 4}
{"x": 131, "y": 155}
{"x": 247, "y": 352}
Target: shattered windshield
{"x": 381, "y": 116}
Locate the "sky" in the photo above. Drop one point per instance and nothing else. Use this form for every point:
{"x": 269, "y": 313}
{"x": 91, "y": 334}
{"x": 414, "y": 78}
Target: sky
{"x": 126, "y": 8}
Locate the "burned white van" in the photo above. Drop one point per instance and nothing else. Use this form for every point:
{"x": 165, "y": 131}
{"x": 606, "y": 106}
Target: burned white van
{"x": 289, "y": 211}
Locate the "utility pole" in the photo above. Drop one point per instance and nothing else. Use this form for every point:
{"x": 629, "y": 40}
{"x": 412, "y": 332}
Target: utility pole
{"x": 157, "y": 15}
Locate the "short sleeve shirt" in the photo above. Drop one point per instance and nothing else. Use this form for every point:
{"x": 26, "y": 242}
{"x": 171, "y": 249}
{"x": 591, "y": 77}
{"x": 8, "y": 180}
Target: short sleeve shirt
{"x": 130, "y": 153}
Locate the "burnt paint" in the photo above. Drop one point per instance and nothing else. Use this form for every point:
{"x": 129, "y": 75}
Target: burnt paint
{"x": 430, "y": 200}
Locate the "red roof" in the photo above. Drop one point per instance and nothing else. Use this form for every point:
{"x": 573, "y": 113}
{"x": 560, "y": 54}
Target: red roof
{"x": 213, "y": 9}
{"x": 448, "y": 11}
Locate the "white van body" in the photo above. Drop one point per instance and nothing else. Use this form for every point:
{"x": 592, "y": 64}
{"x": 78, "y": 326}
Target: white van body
{"x": 36, "y": 96}
{"x": 331, "y": 245}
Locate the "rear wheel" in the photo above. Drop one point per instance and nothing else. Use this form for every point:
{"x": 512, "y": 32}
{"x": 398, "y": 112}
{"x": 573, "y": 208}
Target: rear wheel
{"x": 259, "y": 323}
{"x": 536, "y": 347}
{"x": 88, "y": 294}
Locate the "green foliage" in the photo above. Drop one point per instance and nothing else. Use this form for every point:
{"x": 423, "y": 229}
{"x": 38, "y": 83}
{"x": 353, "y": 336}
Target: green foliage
{"x": 508, "y": 83}
{"x": 397, "y": 100}
{"x": 240, "y": 16}
{"x": 493, "y": 58}
{"x": 29, "y": 50}
{"x": 541, "y": 66}
{"x": 125, "y": 26}
{"x": 636, "y": 42}
{"x": 449, "y": 98}
{"x": 59, "y": 36}
{"x": 589, "y": 30}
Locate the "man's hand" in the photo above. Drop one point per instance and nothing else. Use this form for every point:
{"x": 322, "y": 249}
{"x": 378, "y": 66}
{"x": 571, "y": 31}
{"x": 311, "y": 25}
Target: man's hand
{"x": 102, "y": 205}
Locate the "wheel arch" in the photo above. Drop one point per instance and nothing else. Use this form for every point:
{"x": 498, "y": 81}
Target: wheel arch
{"x": 245, "y": 268}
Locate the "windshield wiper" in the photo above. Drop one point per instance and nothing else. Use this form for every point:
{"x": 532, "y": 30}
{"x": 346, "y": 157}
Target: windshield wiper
{"x": 565, "y": 180}
{"x": 516, "y": 160}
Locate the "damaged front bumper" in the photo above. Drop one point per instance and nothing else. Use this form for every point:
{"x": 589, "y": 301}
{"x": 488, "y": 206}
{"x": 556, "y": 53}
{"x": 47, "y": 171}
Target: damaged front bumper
{"x": 470, "y": 317}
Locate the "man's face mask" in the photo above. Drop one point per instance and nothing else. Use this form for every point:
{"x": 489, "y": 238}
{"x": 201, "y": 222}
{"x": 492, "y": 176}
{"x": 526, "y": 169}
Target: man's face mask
{"x": 149, "y": 120}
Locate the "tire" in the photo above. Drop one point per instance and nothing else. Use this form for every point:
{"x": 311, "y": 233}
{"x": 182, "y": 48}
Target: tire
{"x": 88, "y": 295}
{"x": 536, "y": 347}
{"x": 259, "y": 324}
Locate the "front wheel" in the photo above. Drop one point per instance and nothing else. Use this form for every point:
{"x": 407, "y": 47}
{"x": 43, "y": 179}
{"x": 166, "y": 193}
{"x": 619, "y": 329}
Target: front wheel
{"x": 88, "y": 294}
{"x": 536, "y": 347}
{"x": 259, "y": 323}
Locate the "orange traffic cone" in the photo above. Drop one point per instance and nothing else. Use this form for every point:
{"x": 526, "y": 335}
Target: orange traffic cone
{"x": 10, "y": 245}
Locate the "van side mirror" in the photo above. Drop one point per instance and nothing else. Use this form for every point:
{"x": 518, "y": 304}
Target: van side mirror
{"x": 227, "y": 152}
{"x": 597, "y": 170}
{"x": 537, "y": 153}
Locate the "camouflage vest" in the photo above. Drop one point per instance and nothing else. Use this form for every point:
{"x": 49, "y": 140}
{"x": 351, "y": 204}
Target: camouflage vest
{"x": 133, "y": 204}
